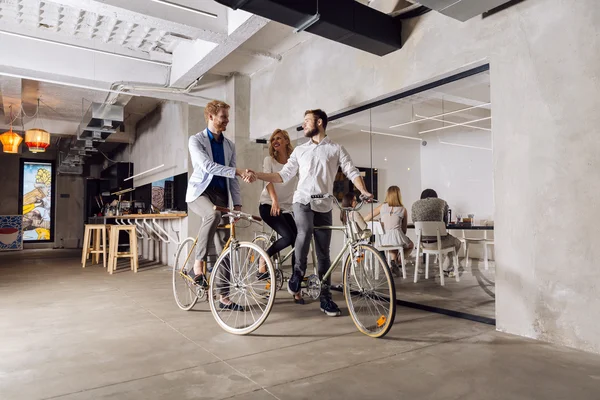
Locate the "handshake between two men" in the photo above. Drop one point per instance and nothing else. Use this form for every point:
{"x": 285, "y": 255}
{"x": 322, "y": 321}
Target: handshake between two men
{"x": 249, "y": 176}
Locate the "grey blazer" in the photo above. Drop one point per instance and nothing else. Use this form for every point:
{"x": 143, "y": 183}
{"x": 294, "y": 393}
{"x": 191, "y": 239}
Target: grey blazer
{"x": 205, "y": 168}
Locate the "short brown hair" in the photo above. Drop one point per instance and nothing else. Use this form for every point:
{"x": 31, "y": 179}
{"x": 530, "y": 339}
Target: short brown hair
{"x": 318, "y": 114}
{"x": 214, "y": 107}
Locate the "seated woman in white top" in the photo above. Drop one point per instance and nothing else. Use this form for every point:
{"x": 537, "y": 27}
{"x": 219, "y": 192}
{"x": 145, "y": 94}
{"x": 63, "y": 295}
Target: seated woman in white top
{"x": 276, "y": 198}
{"x": 394, "y": 219}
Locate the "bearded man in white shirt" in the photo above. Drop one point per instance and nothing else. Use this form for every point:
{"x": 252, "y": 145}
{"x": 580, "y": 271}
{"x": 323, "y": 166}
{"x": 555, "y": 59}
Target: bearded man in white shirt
{"x": 316, "y": 163}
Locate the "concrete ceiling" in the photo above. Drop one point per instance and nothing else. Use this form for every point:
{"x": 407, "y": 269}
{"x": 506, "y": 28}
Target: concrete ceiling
{"x": 69, "y": 53}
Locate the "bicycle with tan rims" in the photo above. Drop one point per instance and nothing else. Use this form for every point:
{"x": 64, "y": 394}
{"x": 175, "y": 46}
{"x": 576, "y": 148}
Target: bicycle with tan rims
{"x": 367, "y": 282}
{"x": 233, "y": 275}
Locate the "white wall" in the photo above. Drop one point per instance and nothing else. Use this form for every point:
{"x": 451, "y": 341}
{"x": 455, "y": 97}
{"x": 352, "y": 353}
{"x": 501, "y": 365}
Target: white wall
{"x": 463, "y": 176}
{"x": 544, "y": 59}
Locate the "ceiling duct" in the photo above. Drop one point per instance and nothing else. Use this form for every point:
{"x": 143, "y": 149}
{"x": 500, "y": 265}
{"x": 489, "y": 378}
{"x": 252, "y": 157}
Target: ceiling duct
{"x": 344, "y": 21}
{"x": 99, "y": 122}
{"x": 463, "y": 10}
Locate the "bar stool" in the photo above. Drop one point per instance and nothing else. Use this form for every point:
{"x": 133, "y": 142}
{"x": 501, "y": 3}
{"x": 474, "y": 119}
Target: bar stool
{"x": 98, "y": 246}
{"x": 114, "y": 253}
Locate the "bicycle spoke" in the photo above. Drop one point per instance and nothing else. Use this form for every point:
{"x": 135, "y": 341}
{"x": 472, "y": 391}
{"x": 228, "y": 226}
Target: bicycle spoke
{"x": 244, "y": 289}
{"x": 368, "y": 289}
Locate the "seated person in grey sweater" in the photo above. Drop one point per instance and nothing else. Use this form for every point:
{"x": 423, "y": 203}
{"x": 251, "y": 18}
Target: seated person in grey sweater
{"x": 431, "y": 208}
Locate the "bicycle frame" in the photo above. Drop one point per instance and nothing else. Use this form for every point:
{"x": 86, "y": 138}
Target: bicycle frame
{"x": 280, "y": 260}
{"x": 351, "y": 237}
{"x": 349, "y": 243}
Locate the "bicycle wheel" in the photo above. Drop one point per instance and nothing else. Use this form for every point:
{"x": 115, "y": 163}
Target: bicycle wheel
{"x": 264, "y": 242}
{"x": 234, "y": 277}
{"x": 184, "y": 289}
{"x": 369, "y": 291}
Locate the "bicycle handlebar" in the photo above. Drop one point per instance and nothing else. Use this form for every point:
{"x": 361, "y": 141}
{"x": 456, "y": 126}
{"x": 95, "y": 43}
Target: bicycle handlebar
{"x": 238, "y": 214}
{"x": 358, "y": 206}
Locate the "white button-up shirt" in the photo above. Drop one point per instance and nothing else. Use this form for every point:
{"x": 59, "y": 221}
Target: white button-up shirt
{"x": 316, "y": 166}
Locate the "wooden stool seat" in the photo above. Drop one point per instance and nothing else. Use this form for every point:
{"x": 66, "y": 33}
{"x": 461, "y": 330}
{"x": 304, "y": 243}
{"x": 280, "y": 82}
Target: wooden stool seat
{"x": 98, "y": 247}
{"x": 115, "y": 254}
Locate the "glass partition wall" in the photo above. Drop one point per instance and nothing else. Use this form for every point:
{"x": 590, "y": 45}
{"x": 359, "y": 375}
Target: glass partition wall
{"x": 439, "y": 138}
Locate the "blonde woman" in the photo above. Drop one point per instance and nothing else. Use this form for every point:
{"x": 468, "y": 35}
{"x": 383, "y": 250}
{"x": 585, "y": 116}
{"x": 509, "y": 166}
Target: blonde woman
{"x": 277, "y": 197}
{"x": 394, "y": 219}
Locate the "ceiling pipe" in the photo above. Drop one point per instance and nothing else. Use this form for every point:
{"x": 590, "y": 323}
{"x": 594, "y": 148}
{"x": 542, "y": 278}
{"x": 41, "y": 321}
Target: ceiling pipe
{"x": 344, "y": 21}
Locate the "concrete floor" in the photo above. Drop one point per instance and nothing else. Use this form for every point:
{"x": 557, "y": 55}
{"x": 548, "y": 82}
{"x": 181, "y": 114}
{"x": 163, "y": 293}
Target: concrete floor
{"x": 474, "y": 294}
{"x": 70, "y": 333}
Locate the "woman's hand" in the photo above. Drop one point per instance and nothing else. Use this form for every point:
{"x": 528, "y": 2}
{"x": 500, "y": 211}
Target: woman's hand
{"x": 275, "y": 210}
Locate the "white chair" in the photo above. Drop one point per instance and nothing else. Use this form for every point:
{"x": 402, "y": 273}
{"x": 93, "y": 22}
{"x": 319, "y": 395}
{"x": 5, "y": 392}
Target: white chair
{"x": 435, "y": 229}
{"x": 378, "y": 230}
{"x": 479, "y": 241}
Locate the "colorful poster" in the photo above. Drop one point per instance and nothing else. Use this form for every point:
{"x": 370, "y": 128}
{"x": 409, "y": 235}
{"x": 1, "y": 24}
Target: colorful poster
{"x": 37, "y": 201}
{"x": 11, "y": 232}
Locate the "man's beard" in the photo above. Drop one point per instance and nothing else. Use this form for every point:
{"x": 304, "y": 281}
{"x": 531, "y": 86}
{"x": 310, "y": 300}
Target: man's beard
{"x": 312, "y": 133}
{"x": 220, "y": 127}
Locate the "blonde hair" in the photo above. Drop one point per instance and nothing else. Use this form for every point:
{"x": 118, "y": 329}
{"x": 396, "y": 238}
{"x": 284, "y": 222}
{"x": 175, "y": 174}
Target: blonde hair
{"x": 393, "y": 197}
{"x": 288, "y": 147}
{"x": 213, "y": 108}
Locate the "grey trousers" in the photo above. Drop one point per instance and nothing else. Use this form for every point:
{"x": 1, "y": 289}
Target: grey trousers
{"x": 447, "y": 241}
{"x": 210, "y": 243}
{"x": 306, "y": 219}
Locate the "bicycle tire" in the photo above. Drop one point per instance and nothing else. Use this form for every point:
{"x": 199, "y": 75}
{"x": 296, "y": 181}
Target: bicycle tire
{"x": 221, "y": 271}
{"x": 377, "y": 322}
{"x": 181, "y": 255}
{"x": 264, "y": 241}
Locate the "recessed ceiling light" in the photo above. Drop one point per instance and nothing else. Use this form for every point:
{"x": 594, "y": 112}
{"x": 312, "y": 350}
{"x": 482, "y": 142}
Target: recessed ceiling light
{"x": 466, "y": 145}
{"x": 452, "y": 123}
{"x": 185, "y": 8}
{"x": 441, "y": 115}
{"x": 391, "y": 134}
{"x": 454, "y": 126}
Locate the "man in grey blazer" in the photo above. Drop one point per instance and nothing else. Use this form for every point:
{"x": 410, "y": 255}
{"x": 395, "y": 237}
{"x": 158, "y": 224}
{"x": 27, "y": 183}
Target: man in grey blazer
{"x": 211, "y": 183}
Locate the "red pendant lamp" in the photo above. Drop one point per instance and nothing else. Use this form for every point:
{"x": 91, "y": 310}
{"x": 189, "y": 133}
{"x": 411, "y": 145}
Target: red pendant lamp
{"x": 37, "y": 139}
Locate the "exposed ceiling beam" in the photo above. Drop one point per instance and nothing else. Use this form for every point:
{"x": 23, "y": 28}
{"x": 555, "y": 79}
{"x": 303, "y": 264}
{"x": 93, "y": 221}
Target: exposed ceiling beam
{"x": 202, "y": 63}
{"x": 260, "y": 54}
{"x": 199, "y": 97}
{"x": 76, "y": 62}
{"x": 109, "y": 11}
{"x": 11, "y": 99}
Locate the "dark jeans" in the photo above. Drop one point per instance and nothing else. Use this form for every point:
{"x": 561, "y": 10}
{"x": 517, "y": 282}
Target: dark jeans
{"x": 306, "y": 219}
{"x": 284, "y": 225}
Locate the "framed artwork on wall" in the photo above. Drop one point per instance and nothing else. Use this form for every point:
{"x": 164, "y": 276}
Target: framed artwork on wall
{"x": 11, "y": 232}
{"x": 37, "y": 200}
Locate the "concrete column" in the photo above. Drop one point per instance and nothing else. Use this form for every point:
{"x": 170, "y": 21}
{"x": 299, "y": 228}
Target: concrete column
{"x": 249, "y": 153}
